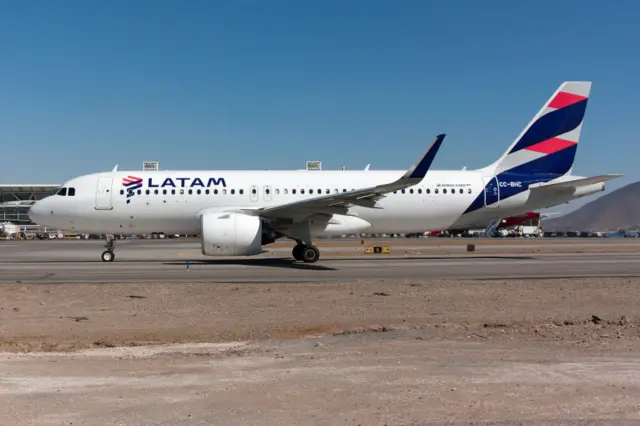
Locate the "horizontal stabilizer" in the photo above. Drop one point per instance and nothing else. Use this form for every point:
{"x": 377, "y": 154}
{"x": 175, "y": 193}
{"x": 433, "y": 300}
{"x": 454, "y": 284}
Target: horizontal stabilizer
{"x": 569, "y": 184}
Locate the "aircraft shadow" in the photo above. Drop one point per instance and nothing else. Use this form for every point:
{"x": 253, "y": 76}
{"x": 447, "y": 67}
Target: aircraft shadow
{"x": 273, "y": 263}
{"x": 426, "y": 258}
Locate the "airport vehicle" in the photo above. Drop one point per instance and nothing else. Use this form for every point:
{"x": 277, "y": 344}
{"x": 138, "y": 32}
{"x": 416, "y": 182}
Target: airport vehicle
{"x": 493, "y": 226}
{"x": 237, "y": 212}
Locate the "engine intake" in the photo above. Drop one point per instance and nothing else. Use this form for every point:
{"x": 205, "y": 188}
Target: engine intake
{"x": 230, "y": 234}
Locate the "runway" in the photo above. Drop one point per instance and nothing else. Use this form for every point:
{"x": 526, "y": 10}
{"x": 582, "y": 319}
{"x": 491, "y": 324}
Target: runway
{"x": 159, "y": 261}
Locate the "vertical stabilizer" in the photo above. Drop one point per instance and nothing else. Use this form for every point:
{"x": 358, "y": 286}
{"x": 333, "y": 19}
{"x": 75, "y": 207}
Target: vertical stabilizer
{"x": 548, "y": 144}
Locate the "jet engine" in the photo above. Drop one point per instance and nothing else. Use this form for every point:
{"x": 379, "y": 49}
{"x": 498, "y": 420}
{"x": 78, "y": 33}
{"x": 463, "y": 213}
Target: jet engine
{"x": 230, "y": 234}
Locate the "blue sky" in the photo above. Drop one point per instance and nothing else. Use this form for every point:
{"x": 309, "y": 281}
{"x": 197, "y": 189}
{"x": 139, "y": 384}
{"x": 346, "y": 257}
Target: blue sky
{"x": 269, "y": 84}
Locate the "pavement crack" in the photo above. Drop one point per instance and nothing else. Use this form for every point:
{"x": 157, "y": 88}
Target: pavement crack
{"x": 48, "y": 275}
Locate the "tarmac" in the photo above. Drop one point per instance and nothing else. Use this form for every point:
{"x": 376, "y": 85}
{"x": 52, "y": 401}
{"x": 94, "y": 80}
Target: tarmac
{"x": 180, "y": 261}
{"x": 509, "y": 336}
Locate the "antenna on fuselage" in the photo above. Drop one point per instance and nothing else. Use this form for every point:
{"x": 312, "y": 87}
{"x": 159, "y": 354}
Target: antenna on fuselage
{"x": 115, "y": 169}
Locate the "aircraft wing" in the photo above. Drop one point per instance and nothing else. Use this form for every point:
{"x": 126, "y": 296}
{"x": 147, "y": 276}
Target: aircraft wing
{"x": 341, "y": 202}
{"x": 570, "y": 184}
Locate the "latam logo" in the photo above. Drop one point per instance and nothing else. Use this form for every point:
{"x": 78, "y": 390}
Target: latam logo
{"x": 131, "y": 183}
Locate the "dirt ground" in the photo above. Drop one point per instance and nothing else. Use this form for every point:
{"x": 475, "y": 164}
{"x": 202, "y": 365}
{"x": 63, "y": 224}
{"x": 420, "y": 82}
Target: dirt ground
{"x": 382, "y": 352}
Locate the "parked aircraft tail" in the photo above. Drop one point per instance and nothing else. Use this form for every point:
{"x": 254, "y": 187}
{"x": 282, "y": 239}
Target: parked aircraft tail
{"x": 548, "y": 144}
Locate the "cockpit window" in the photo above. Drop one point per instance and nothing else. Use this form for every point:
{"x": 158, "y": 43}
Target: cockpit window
{"x": 64, "y": 192}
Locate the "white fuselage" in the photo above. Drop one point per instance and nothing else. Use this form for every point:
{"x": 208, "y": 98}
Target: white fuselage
{"x": 171, "y": 201}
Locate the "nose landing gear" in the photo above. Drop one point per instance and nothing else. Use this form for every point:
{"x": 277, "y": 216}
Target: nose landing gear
{"x": 108, "y": 255}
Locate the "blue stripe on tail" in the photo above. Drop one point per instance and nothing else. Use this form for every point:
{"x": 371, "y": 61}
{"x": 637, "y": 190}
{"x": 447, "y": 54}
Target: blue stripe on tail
{"x": 553, "y": 124}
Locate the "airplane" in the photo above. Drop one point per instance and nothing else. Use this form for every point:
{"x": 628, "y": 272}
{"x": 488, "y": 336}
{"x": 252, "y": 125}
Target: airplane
{"x": 8, "y": 229}
{"x": 236, "y": 212}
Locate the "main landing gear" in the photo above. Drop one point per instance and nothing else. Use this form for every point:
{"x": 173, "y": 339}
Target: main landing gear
{"x": 305, "y": 253}
{"x": 108, "y": 255}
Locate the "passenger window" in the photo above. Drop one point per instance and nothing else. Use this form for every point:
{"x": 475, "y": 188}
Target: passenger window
{"x": 173, "y": 192}
{"x": 164, "y": 192}
{"x": 253, "y": 191}
{"x": 419, "y": 190}
{"x": 241, "y": 191}
{"x": 461, "y": 191}
{"x": 302, "y": 191}
{"x": 435, "y": 191}
{"x": 311, "y": 191}
{"x": 469, "y": 190}
{"x": 444, "y": 191}
{"x": 122, "y": 192}
{"x": 286, "y": 191}
{"x": 139, "y": 191}
{"x": 215, "y": 192}
{"x": 403, "y": 191}
{"x": 206, "y": 191}
{"x": 156, "y": 192}
{"x": 428, "y": 191}
{"x": 328, "y": 191}
{"x": 147, "y": 192}
{"x": 233, "y": 191}
{"x": 182, "y": 192}
{"x": 293, "y": 191}
{"x": 411, "y": 191}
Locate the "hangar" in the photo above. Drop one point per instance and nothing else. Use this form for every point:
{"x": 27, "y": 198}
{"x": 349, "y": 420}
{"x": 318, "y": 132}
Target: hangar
{"x": 15, "y": 201}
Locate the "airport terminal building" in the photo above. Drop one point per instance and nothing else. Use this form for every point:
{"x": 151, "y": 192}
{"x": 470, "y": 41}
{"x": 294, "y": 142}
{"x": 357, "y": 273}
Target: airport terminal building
{"x": 15, "y": 201}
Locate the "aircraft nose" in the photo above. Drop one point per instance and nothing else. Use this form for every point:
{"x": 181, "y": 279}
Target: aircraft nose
{"x": 38, "y": 212}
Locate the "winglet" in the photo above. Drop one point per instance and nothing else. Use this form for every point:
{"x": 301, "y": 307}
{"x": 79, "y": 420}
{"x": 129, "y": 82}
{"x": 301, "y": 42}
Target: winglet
{"x": 419, "y": 170}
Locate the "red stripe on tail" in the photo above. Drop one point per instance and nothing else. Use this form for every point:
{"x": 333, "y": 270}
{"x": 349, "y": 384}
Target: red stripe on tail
{"x": 563, "y": 99}
{"x": 551, "y": 145}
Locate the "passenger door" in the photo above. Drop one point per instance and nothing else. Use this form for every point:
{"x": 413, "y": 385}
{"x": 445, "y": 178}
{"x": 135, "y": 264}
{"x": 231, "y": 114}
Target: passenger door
{"x": 104, "y": 194}
{"x": 491, "y": 192}
{"x": 254, "y": 192}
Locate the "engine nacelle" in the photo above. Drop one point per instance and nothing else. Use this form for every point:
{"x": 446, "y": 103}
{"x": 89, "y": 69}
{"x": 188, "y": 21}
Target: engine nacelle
{"x": 230, "y": 234}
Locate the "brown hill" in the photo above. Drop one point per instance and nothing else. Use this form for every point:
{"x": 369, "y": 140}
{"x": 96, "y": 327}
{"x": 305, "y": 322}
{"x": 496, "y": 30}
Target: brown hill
{"x": 619, "y": 209}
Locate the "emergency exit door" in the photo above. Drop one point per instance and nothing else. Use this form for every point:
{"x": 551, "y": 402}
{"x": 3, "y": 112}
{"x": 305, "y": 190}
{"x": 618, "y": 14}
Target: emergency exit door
{"x": 254, "y": 193}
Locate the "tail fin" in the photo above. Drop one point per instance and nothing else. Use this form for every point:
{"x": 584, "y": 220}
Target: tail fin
{"x": 549, "y": 142}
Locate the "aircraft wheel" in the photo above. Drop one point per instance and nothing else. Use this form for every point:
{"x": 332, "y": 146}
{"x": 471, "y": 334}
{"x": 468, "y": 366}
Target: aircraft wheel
{"x": 298, "y": 251}
{"x": 108, "y": 256}
{"x": 310, "y": 254}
